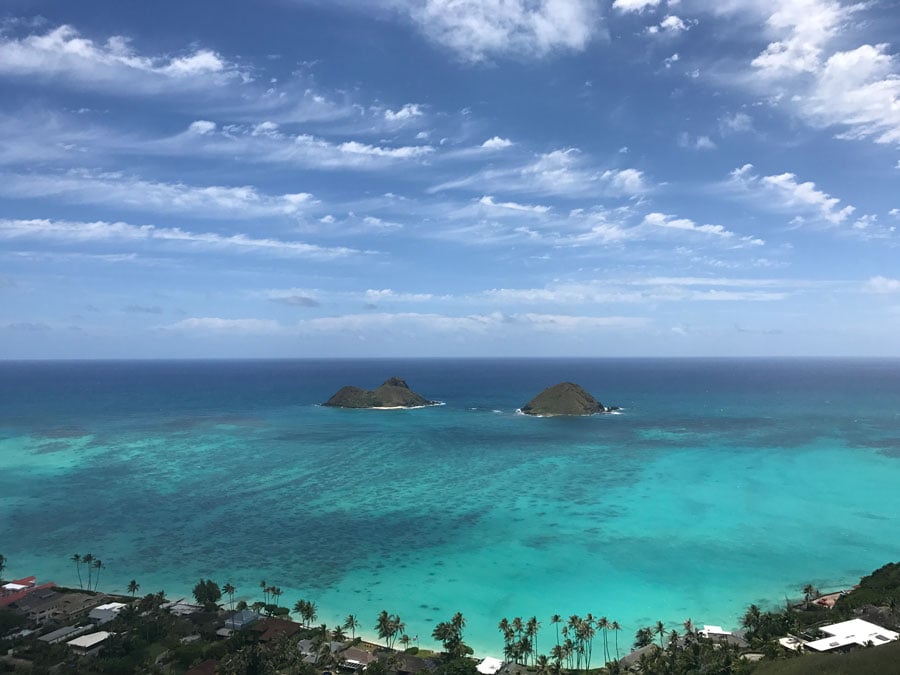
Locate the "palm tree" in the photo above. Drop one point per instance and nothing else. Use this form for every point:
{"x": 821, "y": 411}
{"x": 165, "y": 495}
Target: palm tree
{"x": 404, "y": 640}
{"x": 87, "y": 559}
{"x": 265, "y": 588}
{"x": 133, "y": 587}
{"x": 338, "y": 635}
{"x": 76, "y": 558}
{"x": 229, "y": 589}
{"x": 615, "y": 628}
{"x": 556, "y": 618}
{"x": 3, "y": 564}
{"x": 531, "y": 628}
{"x": 276, "y": 593}
{"x": 351, "y": 623}
{"x": 660, "y": 629}
{"x": 603, "y": 624}
{"x": 98, "y": 565}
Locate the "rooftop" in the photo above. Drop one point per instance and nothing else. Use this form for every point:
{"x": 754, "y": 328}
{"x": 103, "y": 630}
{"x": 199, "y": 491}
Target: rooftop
{"x": 853, "y": 632}
{"x": 89, "y": 641}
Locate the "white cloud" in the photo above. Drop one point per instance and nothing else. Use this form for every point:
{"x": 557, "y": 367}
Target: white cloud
{"x": 479, "y": 324}
{"x": 634, "y": 5}
{"x": 669, "y": 25}
{"x": 114, "y": 66}
{"x": 123, "y": 191}
{"x": 670, "y": 222}
{"x": 496, "y": 143}
{"x": 487, "y": 200}
{"x": 812, "y": 69}
{"x": 791, "y": 195}
{"x": 560, "y": 172}
{"x": 217, "y": 325}
{"x": 685, "y": 140}
{"x": 735, "y": 124}
{"x": 268, "y": 143}
{"x": 881, "y": 284}
{"x": 184, "y": 241}
{"x": 479, "y": 29}
{"x": 387, "y": 294}
{"x": 407, "y": 112}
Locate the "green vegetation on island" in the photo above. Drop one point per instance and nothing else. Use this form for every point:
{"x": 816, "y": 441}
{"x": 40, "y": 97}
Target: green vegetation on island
{"x": 565, "y": 398}
{"x": 394, "y": 393}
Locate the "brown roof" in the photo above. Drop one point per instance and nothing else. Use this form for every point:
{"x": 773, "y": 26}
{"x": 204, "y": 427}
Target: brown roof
{"x": 272, "y": 628}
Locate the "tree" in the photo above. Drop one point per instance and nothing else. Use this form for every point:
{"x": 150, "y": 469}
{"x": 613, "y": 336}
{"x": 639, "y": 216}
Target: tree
{"x": 615, "y": 628}
{"x": 388, "y": 627}
{"x": 276, "y": 593}
{"x": 88, "y": 559}
{"x": 660, "y": 629}
{"x": 351, "y": 623}
{"x": 76, "y": 558}
{"x": 2, "y": 565}
{"x": 556, "y": 618}
{"x": 229, "y": 590}
{"x": 207, "y": 593}
{"x": 133, "y": 587}
{"x": 98, "y": 565}
{"x": 450, "y": 634}
{"x": 265, "y": 588}
{"x": 306, "y": 610}
{"x": 643, "y": 637}
{"x": 603, "y": 624}
{"x": 337, "y": 634}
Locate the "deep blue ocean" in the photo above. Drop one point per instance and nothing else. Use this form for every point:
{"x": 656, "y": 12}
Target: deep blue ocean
{"x": 723, "y": 482}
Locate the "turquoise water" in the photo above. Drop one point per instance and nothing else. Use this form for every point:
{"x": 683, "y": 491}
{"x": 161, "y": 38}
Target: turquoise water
{"x": 724, "y": 482}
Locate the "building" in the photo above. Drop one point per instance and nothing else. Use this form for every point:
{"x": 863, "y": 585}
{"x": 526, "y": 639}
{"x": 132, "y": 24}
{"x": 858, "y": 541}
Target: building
{"x": 64, "y": 633}
{"x": 90, "y": 644}
{"x": 105, "y": 613}
{"x": 40, "y": 604}
{"x": 242, "y": 620}
{"x": 849, "y": 634}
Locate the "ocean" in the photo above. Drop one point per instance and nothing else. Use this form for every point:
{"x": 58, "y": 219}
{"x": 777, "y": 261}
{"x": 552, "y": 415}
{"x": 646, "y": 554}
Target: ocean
{"x": 723, "y": 482}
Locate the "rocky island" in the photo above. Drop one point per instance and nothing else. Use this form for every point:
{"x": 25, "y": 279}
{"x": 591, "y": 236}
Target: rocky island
{"x": 565, "y": 398}
{"x": 394, "y": 393}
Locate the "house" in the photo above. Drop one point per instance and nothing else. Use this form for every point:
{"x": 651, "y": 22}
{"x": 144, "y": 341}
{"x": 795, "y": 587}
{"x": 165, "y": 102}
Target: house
{"x": 40, "y": 604}
{"x": 489, "y": 665}
{"x": 90, "y": 644}
{"x": 849, "y": 634}
{"x": 64, "y": 633}
{"x": 271, "y": 628}
{"x": 242, "y": 620}
{"x": 353, "y": 658}
{"x": 105, "y": 613}
{"x": 208, "y": 667}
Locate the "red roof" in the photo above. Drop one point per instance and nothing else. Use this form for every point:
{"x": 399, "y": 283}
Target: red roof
{"x": 18, "y": 595}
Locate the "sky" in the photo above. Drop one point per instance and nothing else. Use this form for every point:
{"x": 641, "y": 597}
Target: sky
{"x": 382, "y": 178}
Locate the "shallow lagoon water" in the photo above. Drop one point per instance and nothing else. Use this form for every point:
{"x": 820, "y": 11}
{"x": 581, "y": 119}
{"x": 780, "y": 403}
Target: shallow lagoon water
{"x": 723, "y": 482}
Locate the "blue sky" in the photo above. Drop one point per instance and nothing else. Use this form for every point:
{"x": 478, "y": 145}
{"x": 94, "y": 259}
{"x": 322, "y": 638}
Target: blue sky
{"x": 449, "y": 177}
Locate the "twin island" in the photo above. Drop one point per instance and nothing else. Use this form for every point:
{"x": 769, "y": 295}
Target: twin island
{"x": 565, "y": 398}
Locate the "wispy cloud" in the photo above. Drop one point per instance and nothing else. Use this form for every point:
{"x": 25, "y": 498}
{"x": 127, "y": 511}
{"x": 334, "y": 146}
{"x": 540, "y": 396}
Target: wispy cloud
{"x": 564, "y": 172}
{"x": 686, "y": 225}
{"x": 183, "y": 241}
{"x": 133, "y": 193}
{"x": 787, "y": 194}
{"x": 266, "y": 142}
{"x": 220, "y": 326}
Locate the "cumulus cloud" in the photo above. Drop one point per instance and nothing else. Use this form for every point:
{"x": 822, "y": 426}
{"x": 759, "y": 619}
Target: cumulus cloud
{"x": 124, "y": 191}
{"x": 669, "y": 25}
{"x": 685, "y": 140}
{"x": 479, "y": 29}
{"x": 407, "y": 112}
{"x": 735, "y": 124}
{"x": 496, "y": 143}
{"x": 183, "y": 240}
{"x": 791, "y": 195}
{"x": 817, "y": 73}
{"x": 67, "y": 57}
